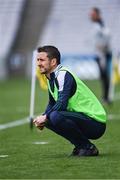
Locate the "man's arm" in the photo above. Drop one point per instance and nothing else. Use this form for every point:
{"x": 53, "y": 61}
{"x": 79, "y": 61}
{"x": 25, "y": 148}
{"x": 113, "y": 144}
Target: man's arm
{"x": 40, "y": 121}
{"x": 66, "y": 89}
{"x": 51, "y": 103}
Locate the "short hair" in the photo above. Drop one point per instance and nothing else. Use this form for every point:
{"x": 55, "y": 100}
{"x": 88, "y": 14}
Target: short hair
{"x": 97, "y": 10}
{"x": 52, "y": 52}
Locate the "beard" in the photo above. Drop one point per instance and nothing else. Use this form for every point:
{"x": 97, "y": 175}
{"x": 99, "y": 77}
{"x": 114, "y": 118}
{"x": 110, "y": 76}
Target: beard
{"x": 44, "y": 70}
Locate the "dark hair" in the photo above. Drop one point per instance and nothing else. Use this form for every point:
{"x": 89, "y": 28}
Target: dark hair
{"x": 52, "y": 52}
{"x": 97, "y": 10}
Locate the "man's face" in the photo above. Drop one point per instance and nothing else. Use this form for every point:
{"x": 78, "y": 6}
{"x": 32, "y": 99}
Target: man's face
{"x": 93, "y": 16}
{"x": 44, "y": 63}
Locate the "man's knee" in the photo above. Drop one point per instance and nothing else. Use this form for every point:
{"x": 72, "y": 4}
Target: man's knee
{"x": 55, "y": 118}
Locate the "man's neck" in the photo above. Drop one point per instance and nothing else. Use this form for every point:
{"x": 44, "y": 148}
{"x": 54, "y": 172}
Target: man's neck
{"x": 55, "y": 69}
{"x": 52, "y": 70}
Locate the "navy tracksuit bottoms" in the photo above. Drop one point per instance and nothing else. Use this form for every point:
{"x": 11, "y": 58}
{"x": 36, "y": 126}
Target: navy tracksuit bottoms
{"x": 77, "y": 128}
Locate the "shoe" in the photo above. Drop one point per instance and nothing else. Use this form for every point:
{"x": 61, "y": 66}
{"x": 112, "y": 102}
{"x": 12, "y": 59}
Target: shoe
{"x": 75, "y": 151}
{"x": 90, "y": 151}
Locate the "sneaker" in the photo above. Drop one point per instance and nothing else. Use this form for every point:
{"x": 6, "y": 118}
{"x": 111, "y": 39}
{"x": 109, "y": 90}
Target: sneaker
{"x": 91, "y": 151}
{"x": 75, "y": 151}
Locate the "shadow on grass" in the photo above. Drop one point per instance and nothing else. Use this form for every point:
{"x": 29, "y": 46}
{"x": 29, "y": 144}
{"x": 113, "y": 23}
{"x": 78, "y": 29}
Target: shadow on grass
{"x": 111, "y": 155}
{"x": 68, "y": 156}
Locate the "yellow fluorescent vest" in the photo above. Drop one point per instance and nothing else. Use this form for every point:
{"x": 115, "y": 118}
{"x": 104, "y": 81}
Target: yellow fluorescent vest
{"x": 83, "y": 100}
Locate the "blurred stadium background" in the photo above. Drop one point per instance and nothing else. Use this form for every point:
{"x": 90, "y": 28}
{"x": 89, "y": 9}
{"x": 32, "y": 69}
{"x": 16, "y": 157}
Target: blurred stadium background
{"x": 25, "y": 25}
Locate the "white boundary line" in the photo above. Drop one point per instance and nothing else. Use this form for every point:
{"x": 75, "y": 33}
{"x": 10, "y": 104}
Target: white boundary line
{"x": 14, "y": 123}
{"x": 40, "y": 142}
{"x": 114, "y": 117}
{"x": 3, "y": 155}
{"x": 26, "y": 120}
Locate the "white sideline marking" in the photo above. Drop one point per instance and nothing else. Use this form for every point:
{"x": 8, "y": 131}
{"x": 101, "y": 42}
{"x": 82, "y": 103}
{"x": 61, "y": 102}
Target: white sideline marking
{"x": 3, "y": 155}
{"x": 26, "y": 120}
{"x": 40, "y": 142}
{"x": 14, "y": 123}
{"x": 114, "y": 116}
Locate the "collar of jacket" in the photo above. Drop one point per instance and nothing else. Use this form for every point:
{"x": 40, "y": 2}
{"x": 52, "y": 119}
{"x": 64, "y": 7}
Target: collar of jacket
{"x": 55, "y": 73}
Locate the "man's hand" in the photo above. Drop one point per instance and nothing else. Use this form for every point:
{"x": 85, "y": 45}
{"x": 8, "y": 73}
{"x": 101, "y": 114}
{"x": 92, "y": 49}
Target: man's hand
{"x": 40, "y": 121}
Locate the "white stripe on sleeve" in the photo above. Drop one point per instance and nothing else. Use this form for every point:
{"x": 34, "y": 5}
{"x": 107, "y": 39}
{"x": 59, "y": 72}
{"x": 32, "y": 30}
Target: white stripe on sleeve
{"x": 61, "y": 79}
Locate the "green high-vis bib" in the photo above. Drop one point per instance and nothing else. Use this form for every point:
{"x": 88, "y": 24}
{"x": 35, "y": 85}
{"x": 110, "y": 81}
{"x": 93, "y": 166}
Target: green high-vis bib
{"x": 83, "y": 100}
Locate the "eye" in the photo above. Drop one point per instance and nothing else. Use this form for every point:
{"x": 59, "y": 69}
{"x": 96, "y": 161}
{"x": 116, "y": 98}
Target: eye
{"x": 42, "y": 60}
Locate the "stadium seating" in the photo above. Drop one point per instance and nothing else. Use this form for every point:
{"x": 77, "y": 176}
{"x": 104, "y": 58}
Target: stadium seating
{"x": 69, "y": 28}
{"x": 69, "y": 24}
{"x": 63, "y": 23}
{"x": 10, "y": 16}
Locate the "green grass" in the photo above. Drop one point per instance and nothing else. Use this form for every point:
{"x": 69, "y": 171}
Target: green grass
{"x": 15, "y": 99}
{"x": 27, "y": 160}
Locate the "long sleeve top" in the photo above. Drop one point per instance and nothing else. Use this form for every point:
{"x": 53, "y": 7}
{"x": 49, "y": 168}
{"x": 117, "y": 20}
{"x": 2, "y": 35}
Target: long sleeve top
{"x": 66, "y": 88}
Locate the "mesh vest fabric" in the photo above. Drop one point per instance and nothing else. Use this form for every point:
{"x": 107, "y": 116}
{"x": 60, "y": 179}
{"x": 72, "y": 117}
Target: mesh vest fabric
{"x": 83, "y": 100}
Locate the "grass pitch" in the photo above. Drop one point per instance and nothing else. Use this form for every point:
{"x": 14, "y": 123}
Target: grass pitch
{"x": 28, "y": 159}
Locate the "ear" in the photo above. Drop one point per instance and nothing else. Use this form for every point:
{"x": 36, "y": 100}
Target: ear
{"x": 54, "y": 61}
